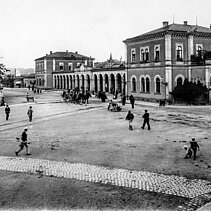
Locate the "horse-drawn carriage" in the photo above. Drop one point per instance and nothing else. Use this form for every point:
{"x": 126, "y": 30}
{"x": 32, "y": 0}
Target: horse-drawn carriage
{"x": 75, "y": 97}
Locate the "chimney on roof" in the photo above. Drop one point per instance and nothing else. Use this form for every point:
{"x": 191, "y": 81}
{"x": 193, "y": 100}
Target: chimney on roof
{"x": 66, "y": 51}
{"x": 76, "y": 52}
{"x": 210, "y": 26}
{"x": 165, "y": 23}
{"x": 50, "y": 52}
{"x": 185, "y": 23}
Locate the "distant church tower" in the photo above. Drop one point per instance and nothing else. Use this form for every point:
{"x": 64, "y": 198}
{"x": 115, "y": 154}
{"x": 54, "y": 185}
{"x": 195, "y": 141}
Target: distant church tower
{"x": 110, "y": 61}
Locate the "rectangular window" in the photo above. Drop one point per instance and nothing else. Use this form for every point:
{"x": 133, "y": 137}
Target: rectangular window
{"x": 61, "y": 66}
{"x": 133, "y": 55}
{"x": 70, "y": 66}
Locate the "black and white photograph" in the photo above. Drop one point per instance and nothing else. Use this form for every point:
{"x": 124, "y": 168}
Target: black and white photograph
{"x": 105, "y": 105}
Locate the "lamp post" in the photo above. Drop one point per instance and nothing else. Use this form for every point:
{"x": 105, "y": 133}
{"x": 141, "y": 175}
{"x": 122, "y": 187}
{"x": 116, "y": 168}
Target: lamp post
{"x": 165, "y": 85}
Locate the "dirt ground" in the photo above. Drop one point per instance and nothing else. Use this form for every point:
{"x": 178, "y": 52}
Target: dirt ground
{"x": 100, "y": 137}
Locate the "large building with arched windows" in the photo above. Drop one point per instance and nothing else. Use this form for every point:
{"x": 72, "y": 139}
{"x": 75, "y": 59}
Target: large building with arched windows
{"x": 161, "y": 59}
{"x": 68, "y": 70}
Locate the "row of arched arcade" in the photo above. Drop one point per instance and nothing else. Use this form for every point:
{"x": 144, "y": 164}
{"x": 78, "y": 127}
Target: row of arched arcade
{"x": 105, "y": 82}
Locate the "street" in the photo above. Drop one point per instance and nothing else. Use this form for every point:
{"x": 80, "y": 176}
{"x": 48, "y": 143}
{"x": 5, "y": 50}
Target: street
{"x": 88, "y": 159}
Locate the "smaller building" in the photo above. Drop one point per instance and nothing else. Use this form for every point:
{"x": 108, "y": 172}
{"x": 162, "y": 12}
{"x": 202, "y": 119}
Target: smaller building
{"x": 29, "y": 80}
{"x": 56, "y": 70}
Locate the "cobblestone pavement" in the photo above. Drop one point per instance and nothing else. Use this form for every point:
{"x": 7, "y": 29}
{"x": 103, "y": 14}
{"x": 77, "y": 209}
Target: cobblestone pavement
{"x": 196, "y": 203}
{"x": 198, "y": 191}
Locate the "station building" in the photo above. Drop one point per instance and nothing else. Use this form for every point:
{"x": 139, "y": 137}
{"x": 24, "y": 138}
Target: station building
{"x": 58, "y": 70}
{"x": 159, "y": 60}
{"x": 68, "y": 70}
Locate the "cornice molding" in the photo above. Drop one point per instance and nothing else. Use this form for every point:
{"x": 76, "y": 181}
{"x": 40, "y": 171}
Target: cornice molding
{"x": 157, "y": 36}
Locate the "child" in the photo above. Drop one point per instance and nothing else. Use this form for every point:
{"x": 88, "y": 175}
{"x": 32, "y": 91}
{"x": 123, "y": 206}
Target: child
{"x": 188, "y": 152}
{"x": 130, "y": 117}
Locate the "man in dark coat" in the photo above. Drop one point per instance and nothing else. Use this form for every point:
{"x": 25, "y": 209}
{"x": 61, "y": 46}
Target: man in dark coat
{"x": 23, "y": 142}
{"x": 130, "y": 117}
{"x": 123, "y": 100}
{"x": 132, "y": 101}
{"x": 29, "y": 113}
{"x": 7, "y": 111}
{"x": 194, "y": 146}
{"x": 146, "y": 120}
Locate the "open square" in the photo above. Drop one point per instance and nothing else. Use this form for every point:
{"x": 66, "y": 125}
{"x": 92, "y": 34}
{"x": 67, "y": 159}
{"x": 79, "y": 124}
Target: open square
{"x": 86, "y": 153}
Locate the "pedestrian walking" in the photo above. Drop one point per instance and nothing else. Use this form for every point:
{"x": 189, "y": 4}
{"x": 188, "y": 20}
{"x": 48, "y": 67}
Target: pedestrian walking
{"x": 7, "y": 111}
{"x": 29, "y": 113}
{"x": 24, "y": 142}
{"x": 123, "y": 100}
{"x": 132, "y": 101}
{"x": 146, "y": 120}
{"x": 194, "y": 146}
{"x": 130, "y": 117}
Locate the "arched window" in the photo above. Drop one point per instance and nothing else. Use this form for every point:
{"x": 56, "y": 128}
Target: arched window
{"x": 157, "y": 54}
{"x": 146, "y": 55}
{"x": 142, "y": 55}
{"x": 40, "y": 82}
{"x": 134, "y": 85}
{"x": 179, "y": 81}
{"x": 157, "y": 85}
{"x": 143, "y": 85}
{"x": 179, "y": 52}
{"x": 147, "y": 85}
{"x": 133, "y": 55}
{"x": 199, "y": 50}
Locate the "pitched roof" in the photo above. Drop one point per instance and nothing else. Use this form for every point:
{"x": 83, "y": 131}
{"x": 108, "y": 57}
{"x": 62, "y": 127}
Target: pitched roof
{"x": 64, "y": 55}
{"x": 174, "y": 27}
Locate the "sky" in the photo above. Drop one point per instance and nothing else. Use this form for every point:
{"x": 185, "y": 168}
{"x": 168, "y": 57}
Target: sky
{"x": 32, "y": 28}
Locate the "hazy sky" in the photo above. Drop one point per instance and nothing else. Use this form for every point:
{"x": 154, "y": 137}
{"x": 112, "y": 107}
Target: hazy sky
{"x": 32, "y": 28}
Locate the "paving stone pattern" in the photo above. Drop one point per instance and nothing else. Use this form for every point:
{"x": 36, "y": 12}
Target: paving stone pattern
{"x": 196, "y": 203}
{"x": 148, "y": 181}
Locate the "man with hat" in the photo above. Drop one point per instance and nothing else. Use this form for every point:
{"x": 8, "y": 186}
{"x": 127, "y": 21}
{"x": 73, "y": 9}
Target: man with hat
{"x": 23, "y": 142}
{"x": 146, "y": 120}
{"x": 29, "y": 113}
{"x": 7, "y": 111}
{"x": 194, "y": 146}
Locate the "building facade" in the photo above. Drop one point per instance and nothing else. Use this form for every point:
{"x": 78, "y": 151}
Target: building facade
{"x": 56, "y": 70}
{"x": 67, "y": 70}
{"x": 161, "y": 59}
